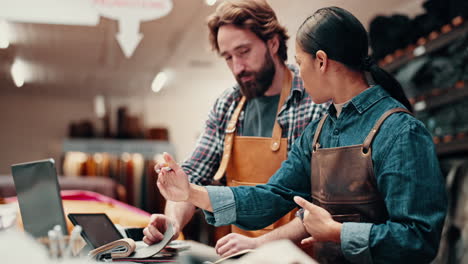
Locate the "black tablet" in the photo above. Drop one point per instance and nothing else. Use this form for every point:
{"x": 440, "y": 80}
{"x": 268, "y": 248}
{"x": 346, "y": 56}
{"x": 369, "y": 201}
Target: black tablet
{"x": 98, "y": 229}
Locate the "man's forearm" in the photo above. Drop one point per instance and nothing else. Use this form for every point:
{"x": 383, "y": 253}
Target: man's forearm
{"x": 181, "y": 212}
{"x": 293, "y": 231}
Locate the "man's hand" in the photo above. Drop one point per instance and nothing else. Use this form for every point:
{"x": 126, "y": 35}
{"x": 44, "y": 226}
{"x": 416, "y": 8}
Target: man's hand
{"x": 156, "y": 228}
{"x": 234, "y": 243}
{"x": 173, "y": 184}
{"x": 318, "y": 222}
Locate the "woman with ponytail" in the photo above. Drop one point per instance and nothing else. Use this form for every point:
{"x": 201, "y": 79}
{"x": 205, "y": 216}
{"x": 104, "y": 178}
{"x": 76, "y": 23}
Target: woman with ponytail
{"x": 366, "y": 175}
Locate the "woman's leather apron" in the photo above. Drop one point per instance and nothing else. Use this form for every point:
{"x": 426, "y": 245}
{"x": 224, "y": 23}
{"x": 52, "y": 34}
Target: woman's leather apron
{"x": 253, "y": 160}
{"x": 344, "y": 184}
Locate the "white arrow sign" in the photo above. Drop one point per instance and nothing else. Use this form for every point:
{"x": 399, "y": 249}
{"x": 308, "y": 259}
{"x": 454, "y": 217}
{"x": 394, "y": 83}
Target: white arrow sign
{"x": 129, "y": 13}
{"x": 129, "y": 35}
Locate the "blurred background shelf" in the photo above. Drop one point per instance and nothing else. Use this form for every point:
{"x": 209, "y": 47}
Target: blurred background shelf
{"x": 435, "y": 41}
{"x": 147, "y": 148}
{"x": 453, "y": 147}
{"x": 129, "y": 162}
{"x": 441, "y": 97}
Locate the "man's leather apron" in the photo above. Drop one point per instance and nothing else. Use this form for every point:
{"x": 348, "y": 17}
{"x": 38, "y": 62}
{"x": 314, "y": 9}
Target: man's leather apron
{"x": 344, "y": 184}
{"x": 253, "y": 160}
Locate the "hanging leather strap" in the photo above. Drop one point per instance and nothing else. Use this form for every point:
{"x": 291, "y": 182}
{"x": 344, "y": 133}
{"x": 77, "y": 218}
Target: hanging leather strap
{"x": 231, "y": 127}
{"x": 318, "y": 131}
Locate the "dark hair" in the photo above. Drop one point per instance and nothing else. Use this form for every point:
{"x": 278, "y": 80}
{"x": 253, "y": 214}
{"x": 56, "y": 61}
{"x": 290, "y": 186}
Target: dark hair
{"x": 340, "y": 34}
{"x": 256, "y": 16}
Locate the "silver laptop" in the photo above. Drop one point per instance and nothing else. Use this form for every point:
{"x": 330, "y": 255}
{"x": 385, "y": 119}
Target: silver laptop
{"x": 39, "y": 197}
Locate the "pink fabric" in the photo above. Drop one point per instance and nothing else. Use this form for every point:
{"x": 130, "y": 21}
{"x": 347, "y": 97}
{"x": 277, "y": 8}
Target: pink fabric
{"x": 97, "y": 197}
{"x": 79, "y": 195}
{"x": 10, "y": 199}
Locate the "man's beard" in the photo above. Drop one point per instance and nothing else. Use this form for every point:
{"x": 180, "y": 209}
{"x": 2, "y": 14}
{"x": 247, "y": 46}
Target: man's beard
{"x": 261, "y": 81}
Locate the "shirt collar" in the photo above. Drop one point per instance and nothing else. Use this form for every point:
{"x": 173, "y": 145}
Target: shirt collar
{"x": 369, "y": 97}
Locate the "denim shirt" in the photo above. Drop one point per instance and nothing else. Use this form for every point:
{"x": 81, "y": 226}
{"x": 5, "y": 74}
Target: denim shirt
{"x": 406, "y": 170}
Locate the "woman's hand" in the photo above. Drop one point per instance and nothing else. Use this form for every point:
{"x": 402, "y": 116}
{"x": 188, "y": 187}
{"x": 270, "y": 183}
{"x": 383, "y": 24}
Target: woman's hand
{"x": 172, "y": 181}
{"x": 318, "y": 222}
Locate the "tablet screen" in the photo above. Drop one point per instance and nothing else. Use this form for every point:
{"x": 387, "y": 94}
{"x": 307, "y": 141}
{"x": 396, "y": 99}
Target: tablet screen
{"x": 98, "y": 229}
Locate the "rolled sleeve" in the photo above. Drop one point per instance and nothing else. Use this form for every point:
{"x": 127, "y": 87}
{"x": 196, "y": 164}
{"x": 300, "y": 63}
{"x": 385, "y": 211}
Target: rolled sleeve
{"x": 224, "y": 206}
{"x": 355, "y": 242}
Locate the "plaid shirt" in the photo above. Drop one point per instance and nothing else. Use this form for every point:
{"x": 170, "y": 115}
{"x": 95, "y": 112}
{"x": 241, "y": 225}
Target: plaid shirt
{"x": 293, "y": 117}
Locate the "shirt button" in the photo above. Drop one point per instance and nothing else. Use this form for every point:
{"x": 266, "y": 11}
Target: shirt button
{"x": 336, "y": 132}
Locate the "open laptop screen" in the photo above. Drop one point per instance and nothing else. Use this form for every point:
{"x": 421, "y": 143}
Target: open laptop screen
{"x": 39, "y": 197}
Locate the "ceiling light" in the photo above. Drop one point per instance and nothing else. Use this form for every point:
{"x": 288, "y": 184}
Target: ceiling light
{"x": 159, "y": 81}
{"x": 18, "y": 72}
{"x": 210, "y": 2}
{"x": 99, "y": 106}
{"x": 4, "y": 36}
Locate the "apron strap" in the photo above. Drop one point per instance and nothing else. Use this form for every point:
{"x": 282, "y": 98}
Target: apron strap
{"x": 318, "y": 131}
{"x": 231, "y": 127}
{"x": 375, "y": 129}
{"x": 277, "y": 131}
{"x": 229, "y": 139}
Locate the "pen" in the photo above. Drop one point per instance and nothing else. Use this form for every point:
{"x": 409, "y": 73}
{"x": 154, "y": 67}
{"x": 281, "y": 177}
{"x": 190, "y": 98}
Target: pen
{"x": 165, "y": 167}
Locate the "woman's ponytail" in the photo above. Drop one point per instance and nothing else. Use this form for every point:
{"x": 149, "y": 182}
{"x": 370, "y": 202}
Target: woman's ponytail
{"x": 389, "y": 83}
